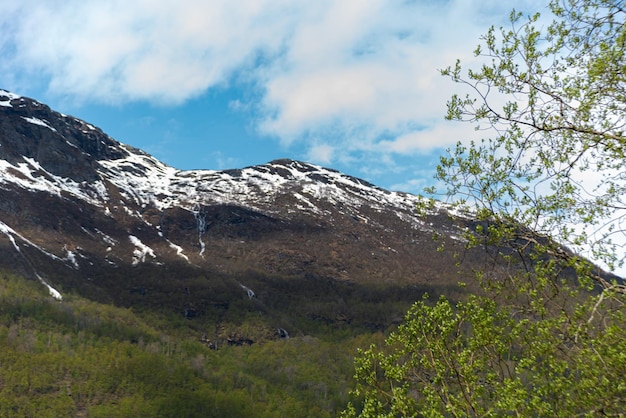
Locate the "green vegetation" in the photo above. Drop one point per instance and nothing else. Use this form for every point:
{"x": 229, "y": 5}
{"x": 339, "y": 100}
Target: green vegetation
{"x": 152, "y": 352}
{"x": 547, "y": 334}
{"x": 82, "y": 358}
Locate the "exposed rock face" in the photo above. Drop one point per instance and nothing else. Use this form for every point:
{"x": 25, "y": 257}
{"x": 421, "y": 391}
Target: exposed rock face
{"x": 62, "y": 145}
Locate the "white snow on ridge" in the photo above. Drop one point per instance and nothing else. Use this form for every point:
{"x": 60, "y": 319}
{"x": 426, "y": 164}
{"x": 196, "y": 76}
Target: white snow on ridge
{"x": 146, "y": 180}
{"x": 10, "y": 96}
{"x": 143, "y": 178}
{"x": 23, "y": 175}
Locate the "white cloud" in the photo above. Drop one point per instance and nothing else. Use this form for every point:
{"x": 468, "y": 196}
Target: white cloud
{"x": 350, "y": 70}
{"x": 412, "y": 185}
{"x": 321, "y": 153}
{"x": 167, "y": 50}
{"x": 372, "y": 72}
{"x": 436, "y": 134}
{"x": 223, "y": 162}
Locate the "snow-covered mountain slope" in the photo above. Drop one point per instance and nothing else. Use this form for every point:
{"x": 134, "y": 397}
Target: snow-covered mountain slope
{"x": 83, "y": 213}
{"x": 35, "y": 158}
{"x": 77, "y": 206}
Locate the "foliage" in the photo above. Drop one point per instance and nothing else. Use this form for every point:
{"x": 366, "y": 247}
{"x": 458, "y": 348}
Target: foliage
{"x": 148, "y": 356}
{"x": 555, "y": 99}
{"x": 481, "y": 358}
{"x": 547, "y": 334}
{"x": 82, "y": 358}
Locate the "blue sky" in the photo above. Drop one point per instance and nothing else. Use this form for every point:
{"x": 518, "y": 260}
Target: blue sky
{"x": 349, "y": 84}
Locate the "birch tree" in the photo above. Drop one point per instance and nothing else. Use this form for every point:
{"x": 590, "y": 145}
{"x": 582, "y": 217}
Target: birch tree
{"x": 546, "y": 335}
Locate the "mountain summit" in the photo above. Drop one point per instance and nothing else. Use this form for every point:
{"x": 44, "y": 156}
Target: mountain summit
{"x": 84, "y": 213}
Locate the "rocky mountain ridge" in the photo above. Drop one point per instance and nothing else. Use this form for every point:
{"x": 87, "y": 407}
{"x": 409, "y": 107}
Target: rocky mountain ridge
{"x": 85, "y": 213}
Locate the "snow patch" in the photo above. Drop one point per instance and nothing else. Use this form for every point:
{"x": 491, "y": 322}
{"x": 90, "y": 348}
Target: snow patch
{"x": 10, "y": 232}
{"x": 71, "y": 257}
{"x": 23, "y": 175}
{"x": 107, "y": 239}
{"x": 142, "y": 250}
{"x": 39, "y": 122}
{"x": 10, "y": 96}
{"x": 179, "y": 250}
{"x": 53, "y": 292}
{"x": 13, "y": 242}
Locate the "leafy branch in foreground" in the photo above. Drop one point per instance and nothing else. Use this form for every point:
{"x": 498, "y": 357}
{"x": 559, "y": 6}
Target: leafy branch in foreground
{"x": 556, "y": 100}
{"x": 547, "y": 334}
{"x": 480, "y": 358}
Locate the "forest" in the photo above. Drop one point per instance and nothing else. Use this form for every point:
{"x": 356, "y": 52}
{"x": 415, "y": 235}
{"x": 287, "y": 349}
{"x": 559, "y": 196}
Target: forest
{"x": 82, "y": 358}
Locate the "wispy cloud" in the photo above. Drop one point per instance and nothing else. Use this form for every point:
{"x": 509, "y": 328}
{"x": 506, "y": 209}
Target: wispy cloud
{"x": 361, "y": 74}
{"x": 321, "y": 153}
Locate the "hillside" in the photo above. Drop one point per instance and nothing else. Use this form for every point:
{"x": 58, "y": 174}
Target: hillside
{"x": 86, "y": 214}
{"x": 251, "y": 287}
{"x": 85, "y": 359}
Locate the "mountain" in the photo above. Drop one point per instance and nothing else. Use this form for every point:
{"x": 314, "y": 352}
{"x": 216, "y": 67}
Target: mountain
{"x": 300, "y": 244}
{"x": 160, "y": 292}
